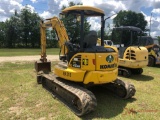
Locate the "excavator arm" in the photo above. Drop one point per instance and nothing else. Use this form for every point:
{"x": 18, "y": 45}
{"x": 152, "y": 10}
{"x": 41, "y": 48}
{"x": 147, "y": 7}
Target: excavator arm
{"x": 60, "y": 29}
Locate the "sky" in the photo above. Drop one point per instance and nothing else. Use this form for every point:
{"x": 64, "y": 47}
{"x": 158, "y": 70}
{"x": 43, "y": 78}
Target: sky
{"x": 49, "y": 8}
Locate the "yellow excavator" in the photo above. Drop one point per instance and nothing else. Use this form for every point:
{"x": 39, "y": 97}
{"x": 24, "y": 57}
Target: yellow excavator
{"x": 153, "y": 47}
{"x": 132, "y": 56}
{"x": 80, "y": 66}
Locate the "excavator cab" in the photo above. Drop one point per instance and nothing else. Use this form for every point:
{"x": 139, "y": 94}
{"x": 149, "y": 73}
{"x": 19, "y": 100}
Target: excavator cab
{"x": 153, "y": 48}
{"x": 132, "y": 56}
{"x": 80, "y": 67}
{"x": 123, "y": 37}
{"x": 90, "y": 39}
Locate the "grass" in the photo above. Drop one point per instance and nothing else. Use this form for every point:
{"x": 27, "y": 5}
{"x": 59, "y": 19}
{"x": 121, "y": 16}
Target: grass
{"x": 26, "y": 52}
{"x": 22, "y": 98}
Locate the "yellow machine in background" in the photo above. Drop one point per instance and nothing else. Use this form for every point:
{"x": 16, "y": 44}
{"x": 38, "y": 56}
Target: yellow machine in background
{"x": 132, "y": 56}
{"x": 82, "y": 64}
{"x": 153, "y": 47}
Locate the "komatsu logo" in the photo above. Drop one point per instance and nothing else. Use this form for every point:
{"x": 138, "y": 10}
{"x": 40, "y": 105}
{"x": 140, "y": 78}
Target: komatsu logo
{"x": 109, "y": 58}
{"x": 108, "y": 66}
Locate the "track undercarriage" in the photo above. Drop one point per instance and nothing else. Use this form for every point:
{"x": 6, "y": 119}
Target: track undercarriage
{"x": 127, "y": 72}
{"x": 78, "y": 98}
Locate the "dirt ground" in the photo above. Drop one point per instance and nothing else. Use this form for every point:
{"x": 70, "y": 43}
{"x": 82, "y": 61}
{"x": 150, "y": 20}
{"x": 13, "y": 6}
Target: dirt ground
{"x": 27, "y": 58}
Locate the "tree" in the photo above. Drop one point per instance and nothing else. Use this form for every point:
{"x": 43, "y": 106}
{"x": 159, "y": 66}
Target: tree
{"x": 30, "y": 27}
{"x": 107, "y": 33}
{"x": 51, "y": 39}
{"x": 158, "y": 39}
{"x": 130, "y": 18}
{"x": 73, "y": 26}
{"x": 22, "y": 29}
{"x": 12, "y": 31}
{"x": 2, "y": 34}
{"x": 99, "y": 33}
{"x": 34, "y": 33}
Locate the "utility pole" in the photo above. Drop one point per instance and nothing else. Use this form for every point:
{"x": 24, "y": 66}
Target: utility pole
{"x": 150, "y": 24}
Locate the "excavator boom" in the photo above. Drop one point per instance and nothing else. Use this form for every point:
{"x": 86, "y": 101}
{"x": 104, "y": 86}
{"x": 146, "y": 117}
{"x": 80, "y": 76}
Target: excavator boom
{"x": 60, "y": 30}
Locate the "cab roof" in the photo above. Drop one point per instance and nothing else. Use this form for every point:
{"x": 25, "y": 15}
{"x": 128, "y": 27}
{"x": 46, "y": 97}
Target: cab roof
{"x": 88, "y": 10}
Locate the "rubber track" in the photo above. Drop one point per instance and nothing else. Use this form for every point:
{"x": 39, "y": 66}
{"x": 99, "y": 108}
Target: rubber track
{"x": 86, "y": 97}
{"x": 129, "y": 88}
{"x": 126, "y": 70}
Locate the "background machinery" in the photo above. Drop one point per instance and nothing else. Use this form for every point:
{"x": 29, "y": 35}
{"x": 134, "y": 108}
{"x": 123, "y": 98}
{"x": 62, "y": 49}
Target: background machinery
{"x": 106, "y": 42}
{"x": 132, "y": 56}
{"x": 153, "y": 47}
{"x": 81, "y": 66}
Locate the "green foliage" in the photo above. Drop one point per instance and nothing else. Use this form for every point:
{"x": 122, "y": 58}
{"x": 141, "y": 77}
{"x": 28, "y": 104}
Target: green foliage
{"x": 2, "y": 33}
{"x": 30, "y": 28}
{"x": 73, "y": 26}
{"x": 130, "y": 18}
{"x": 158, "y": 38}
{"x": 21, "y": 30}
{"x": 12, "y": 31}
{"x": 107, "y": 33}
{"x": 51, "y": 39}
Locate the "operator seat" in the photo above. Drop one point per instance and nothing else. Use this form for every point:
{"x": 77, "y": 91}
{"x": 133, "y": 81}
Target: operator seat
{"x": 90, "y": 39}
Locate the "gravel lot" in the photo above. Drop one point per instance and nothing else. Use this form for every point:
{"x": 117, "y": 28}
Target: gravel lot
{"x": 27, "y": 58}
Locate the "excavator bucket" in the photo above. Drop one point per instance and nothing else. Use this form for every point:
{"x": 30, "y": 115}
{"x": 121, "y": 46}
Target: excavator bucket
{"x": 43, "y": 66}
